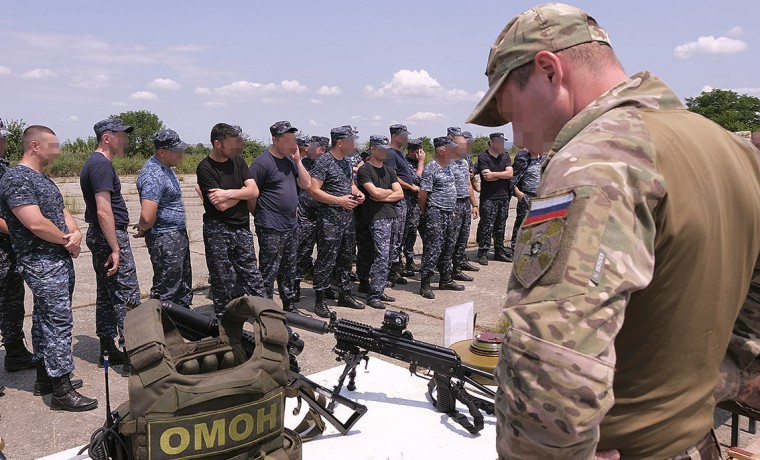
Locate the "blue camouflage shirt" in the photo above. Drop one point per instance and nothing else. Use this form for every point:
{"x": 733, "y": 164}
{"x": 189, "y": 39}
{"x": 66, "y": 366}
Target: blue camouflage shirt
{"x": 159, "y": 184}
{"x": 461, "y": 171}
{"x": 438, "y": 181}
{"x": 21, "y": 186}
{"x": 337, "y": 176}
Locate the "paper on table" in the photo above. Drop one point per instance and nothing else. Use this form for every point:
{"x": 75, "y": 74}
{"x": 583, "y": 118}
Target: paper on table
{"x": 458, "y": 323}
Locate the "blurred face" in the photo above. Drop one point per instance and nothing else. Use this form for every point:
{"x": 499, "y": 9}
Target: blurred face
{"x": 3, "y": 145}
{"x": 285, "y": 144}
{"x": 230, "y": 146}
{"x": 378, "y": 153}
{"x": 497, "y": 145}
{"x": 46, "y": 147}
{"x": 400, "y": 139}
{"x": 117, "y": 142}
{"x": 461, "y": 150}
{"x": 172, "y": 157}
{"x": 346, "y": 145}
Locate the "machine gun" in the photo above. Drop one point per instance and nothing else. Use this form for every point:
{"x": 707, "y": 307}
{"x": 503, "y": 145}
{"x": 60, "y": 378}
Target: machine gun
{"x": 355, "y": 340}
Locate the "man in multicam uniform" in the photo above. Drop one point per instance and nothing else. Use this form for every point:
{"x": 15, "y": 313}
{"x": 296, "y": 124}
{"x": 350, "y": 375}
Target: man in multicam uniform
{"x": 162, "y": 221}
{"x": 623, "y": 293}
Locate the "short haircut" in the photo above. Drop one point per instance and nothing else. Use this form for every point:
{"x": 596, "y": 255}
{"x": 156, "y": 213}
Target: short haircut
{"x": 222, "y": 131}
{"x": 33, "y": 133}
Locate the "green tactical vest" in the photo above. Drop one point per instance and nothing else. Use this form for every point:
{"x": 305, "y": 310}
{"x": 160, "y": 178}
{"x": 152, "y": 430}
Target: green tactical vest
{"x": 206, "y": 399}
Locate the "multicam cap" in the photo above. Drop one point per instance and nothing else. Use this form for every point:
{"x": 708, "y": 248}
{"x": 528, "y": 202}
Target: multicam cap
{"x": 111, "y": 124}
{"x": 414, "y": 144}
{"x": 443, "y": 141}
{"x": 168, "y": 139}
{"x": 302, "y": 140}
{"x": 379, "y": 141}
{"x": 321, "y": 140}
{"x": 454, "y": 131}
{"x": 3, "y": 130}
{"x": 546, "y": 27}
{"x": 467, "y": 135}
{"x": 399, "y": 129}
{"x": 240, "y": 132}
{"x": 341, "y": 132}
{"x": 493, "y": 136}
{"x": 282, "y": 127}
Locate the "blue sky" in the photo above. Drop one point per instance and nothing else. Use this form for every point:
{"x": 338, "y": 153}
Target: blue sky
{"x": 323, "y": 64}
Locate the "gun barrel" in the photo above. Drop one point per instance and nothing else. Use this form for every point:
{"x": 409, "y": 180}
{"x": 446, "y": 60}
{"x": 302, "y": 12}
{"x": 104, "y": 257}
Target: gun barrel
{"x": 192, "y": 325}
{"x": 308, "y": 324}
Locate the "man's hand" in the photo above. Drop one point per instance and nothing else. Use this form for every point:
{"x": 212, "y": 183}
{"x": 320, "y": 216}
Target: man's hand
{"x": 113, "y": 261}
{"x": 218, "y": 195}
{"x": 74, "y": 243}
{"x": 139, "y": 233}
{"x": 475, "y": 212}
{"x": 519, "y": 195}
{"x": 347, "y": 202}
{"x": 296, "y": 157}
{"x": 415, "y": 189}
{"x": 360, "y": 198}
{"x": 488, "y": 175}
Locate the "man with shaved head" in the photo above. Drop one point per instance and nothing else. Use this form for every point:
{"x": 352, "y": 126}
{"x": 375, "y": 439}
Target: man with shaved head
{"x": 45, "y": 238}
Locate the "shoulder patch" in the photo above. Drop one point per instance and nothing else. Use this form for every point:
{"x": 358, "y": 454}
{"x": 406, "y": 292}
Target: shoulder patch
{"x": 544, "y": 209}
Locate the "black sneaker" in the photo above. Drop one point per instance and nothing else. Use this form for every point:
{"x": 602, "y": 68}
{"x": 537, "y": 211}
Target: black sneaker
{"x": 376, "y": 303}
{"x": 347, "y": 300}
{"x": 461, "y": 276}
{"x": 466, "y": 266}
{"x": 386, "y": 298}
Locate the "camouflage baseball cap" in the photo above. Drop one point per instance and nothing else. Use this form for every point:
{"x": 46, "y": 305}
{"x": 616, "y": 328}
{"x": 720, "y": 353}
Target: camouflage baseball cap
{"x": 494, "y": 136}
{"x": 399, "y": 129}
{"x": 240, "y": 132}
{"x": 3, "y": 130}
{"x": 467, "y": 135}
{"x": 379, "y": 141}
{"x": 443, "y": 141}
{"x": 111, "y": 124}
{"x": 546, "y": 27}
{"x": 341, "y": 132}
{"x": 282, "y": 127}
{"x": 454, "y": 131}
{"x": 168, "y": 139}
{"x": 414, "y": 144}
{"x": 321, "y": 140}
{"x": 302, "y": 140}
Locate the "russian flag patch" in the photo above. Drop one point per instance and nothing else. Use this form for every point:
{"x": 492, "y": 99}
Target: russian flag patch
{"x": 544, "y": 209}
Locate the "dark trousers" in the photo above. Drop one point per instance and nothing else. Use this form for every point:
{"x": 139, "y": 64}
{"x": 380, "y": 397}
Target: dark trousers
{"x": 336, "y": 240}
{"x": 523, "y": 206}
{"x": 172, "y": 274}
{"x": 399, "y": 224}
{"x": 382, "y": 240}
{"x": 437, "y": 242}
{"x": 11, "y": 295}
{"x": 462, "y": 220}
{"x": 307, "y": 239}
{"x": 411, "y": 225}
{"x": 277, "y": 261}
{"x": 492, "y": 224}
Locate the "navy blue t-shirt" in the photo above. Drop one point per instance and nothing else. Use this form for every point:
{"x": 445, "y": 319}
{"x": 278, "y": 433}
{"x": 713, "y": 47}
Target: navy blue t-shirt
{"x": 98, "y": 175}
{"x": 278, "y": 194}
{"x": 396, "y": 161}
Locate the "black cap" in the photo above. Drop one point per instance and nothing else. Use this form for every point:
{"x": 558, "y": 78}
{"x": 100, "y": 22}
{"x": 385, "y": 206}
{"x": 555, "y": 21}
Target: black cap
{"x": 168, "y": 139}
{"x": 399, "y": 129}
{"x": 493, "y": 136}
{"x": 321, "y": 140}
{"x": 379, "y": 141}
{"x": 111, "y": 124}
{"x": 467, "y": 135}
{"x": 414, "y": 144}
{"x": 302, "y": 140}
{"x": 443, "y": 142}
{"x": 454, "y": 131}
{"x": 282, "y": 127}
{"x": 341, "y": 132}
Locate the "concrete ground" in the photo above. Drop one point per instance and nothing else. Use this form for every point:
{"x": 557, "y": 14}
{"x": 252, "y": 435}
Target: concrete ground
{"x": 31, "y": 430}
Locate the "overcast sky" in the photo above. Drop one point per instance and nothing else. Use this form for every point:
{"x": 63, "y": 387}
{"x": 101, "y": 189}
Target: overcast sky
{"x": 323, "y": 64}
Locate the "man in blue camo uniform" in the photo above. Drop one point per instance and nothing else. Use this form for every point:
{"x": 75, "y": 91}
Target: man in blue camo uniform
{"x": 398, "y": 141}
{"x": 415, "y": 157}
{"x": 466, "y": 207}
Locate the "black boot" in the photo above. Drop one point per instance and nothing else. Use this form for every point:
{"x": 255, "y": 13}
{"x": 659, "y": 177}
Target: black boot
{"x": 377, "y": 304}
{"x": 483, "y": 256}
{"x": 466, "y": 266}
{"x": 386, "y": 298}
{"x": 410, "y": 268}
{"x": 320, "y": 306}
{"x": 289, "y": 306}
{"x": 115, "y": 356}
{"x": 363, "y": 287}
{"x": 65, "y": 397}
{"x": 17, "y": 357}
{"x": 425, "y": 290}
{"x": 448, "y": 284}
{"x": 44, "y": 384}
{"x": 331, "y": 294}
{"x": 502, "y": 255}
{"x": 297, "y": 290}
{"x": 459, "y": 275}
{"x": 347, "y": 300}
{"x": 395, "y": 274}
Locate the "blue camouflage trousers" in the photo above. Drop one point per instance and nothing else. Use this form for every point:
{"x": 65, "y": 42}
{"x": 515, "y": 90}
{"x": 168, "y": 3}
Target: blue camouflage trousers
{"x": 172, "y": 274}
{"x": 336, "y": 240}
{"x": 437, "y": 242}
{"x": 523, "y": 206}
{"x": 231, "y": 260}
{"x": 493, "y": 222}
{"x": 399, "y": 225}
{"x": 277, "y": 260}
{"x": 365, "y": 249}
{"x": 410, "y": 226}
{"x": 462, "y": 220}
{"x": 51, "y": 280}
{"x": 382, "y": 240}
{"x": 11, "y": 295}
{"x": 117, "y": 293}
{"x": 307, "y": 238}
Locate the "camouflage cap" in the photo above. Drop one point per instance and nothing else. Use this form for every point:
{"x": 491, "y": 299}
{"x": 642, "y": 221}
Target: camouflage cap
{"x": 282, "y": 127}
{"x": 302, "y": 140}
{"x": 240, "y": 132}
{"x": 494, "y": 136}
{"x": 379, "y": 141}
{"x": 467, "y": 135}
{"x": 414, "y": 144}
{"x": 3, "y": 130}
{"x": 111, "y": 124}
{"x": 168, "y": 139}
{"x": 546, "y": 27}
{"x": 443, "y": 141}
{"x": 341, "y": 132}
{"x": 454, "y": 131}
{"x": 399, "y": 129}
{"x": 321, "y": 140}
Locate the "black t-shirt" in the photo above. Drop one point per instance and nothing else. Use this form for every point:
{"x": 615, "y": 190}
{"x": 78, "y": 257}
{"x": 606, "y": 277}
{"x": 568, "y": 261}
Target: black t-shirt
{"x": 498, "y": 189}
{"x": 228, "y": 175}
{"x": 98, "y": 175}
{"x": 278, "y": 199}
{"x": 382, "y": 177}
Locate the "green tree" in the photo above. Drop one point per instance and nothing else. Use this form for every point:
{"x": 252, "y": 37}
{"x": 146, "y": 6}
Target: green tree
{"x": 479, "y": 145}
{"x": 734, "y": 112}
{"x": 145, "y": 124}
{"x": 79, "y": 146}
{"x": 252, "y": 149}
{"x": 427, "y": 146}
{"x": 14, "y": 148}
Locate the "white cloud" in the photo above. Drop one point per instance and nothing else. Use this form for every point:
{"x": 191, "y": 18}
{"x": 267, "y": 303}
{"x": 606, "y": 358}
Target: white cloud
{"x": 707, "y": 89}
{"x": 316, "y": 101}
{"x": 357, "y": 117}
{"x": 4, "y": 70}
{"x": 752, "y": 90}
{"x": 314, "y": 123}
{"x": 424, "y": 116}
{"x": 90, "y": 81}
{"x": 329, "y": 91}
{"x": 418, "y": 84}
{"x": 144, "y": 95}
{"x": 39, "y": 74}
{"x": 292, "y": 86}
{"x": 377, "y": 118}
{"x": 709, "y": 46}
{"x": 214, "y": 104}
{"x": 164, "y": 83}
{"x": 72, "y": 118}
{"x": 202, "y": 91}
{"x": 119, "y": 104}
{"x": 735, "y": 31}
{"x": 249, "y": 88}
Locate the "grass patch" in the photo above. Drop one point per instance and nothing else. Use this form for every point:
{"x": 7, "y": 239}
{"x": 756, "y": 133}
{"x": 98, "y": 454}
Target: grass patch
{"x": 71, "y": 203}
{"x": 70, "y": 165}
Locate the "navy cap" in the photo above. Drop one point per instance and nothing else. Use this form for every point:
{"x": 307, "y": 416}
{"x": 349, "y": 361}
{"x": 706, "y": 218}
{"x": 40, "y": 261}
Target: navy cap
{"x": 321, "y": 140}
{"x": 282, "y": 127}
{"x": 493, "y": 136}
{"x": 379, "y": 141}
{"x": 111, "y": 124}
{"x": 3, "y": 131}
{"x": 168, "y": 139}
{"x": 302, "y": 140}
{"x": 341, "y": 132}
{"x": 454, "y": 131}
{"x": 399, "y": 129}
{"x": 443, "y": 142}
{"x": 414, "y": 144}
{"x": 240, "y": 132}
{"x": 467, "y": 135}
